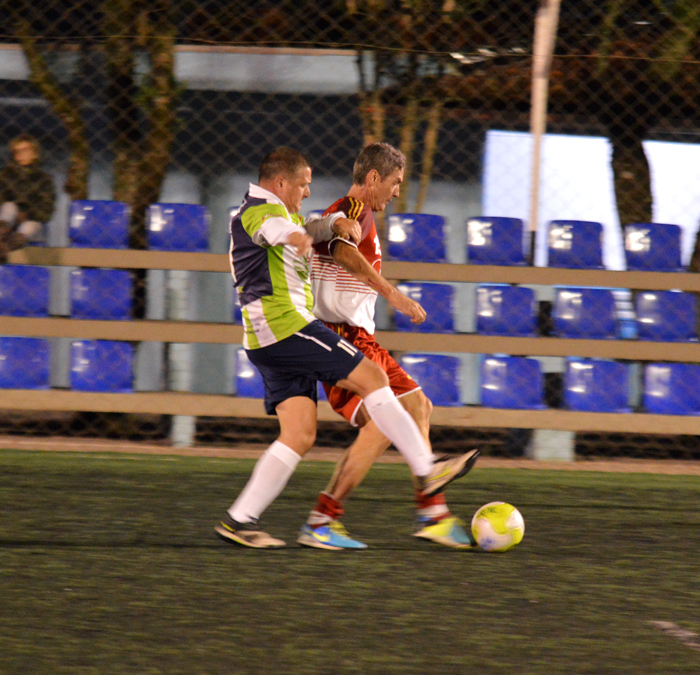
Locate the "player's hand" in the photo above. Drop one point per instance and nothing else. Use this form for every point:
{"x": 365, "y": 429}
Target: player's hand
{"x": 404, "y": 304}
{"x": 349, "y": 229}
{"x": 301, "y": 242}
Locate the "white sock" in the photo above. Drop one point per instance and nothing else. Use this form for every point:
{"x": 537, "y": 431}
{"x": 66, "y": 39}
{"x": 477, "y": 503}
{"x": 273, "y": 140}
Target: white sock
{"x": 433, "y": 512}
{"x": 400, "y": 428}
{"x": 268, "y": 479}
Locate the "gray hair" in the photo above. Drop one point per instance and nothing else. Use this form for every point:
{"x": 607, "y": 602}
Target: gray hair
{"x": 381, "y": 157}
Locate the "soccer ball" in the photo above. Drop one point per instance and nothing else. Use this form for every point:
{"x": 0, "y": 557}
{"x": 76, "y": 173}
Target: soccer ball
{"x": 498, "y": 527}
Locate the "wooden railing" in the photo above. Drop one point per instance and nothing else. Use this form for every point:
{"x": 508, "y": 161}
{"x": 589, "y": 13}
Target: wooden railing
{"x": 176, "y": 403}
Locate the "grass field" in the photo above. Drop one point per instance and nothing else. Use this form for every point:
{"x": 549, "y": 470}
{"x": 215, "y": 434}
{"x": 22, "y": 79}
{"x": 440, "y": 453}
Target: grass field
{"x": 109, "y": 565}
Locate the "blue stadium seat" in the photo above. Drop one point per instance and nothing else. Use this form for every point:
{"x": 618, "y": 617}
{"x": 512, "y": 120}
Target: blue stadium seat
{"x": 438, "y": 300}
{"x": 24, "y": 290}
{"x": 178, "y": 227}
{"x": 437, "y": 374}
{"x": 653, "y": 247}
{"x": 596, "y": 385}
{"x": 506, "y": 310}
{"x": 417, "y": 237}
{"x": 101, "y": 294}
{"x": 672, "y": 388}
{"x": 667, "y": 316}
{"x": 584, "y": 313}
{"x": 249, "y": 382}
{"x": 321, "y": 393}
{"x": 512, "y": 382}
{"x": 237, "y": 313}
{"x": 576, "y": 244}
{"x": 495, "y": 241}
{"x": 99, "y": 224}
{"x": 101, "y": 365}
{"x": 24, "y": 363}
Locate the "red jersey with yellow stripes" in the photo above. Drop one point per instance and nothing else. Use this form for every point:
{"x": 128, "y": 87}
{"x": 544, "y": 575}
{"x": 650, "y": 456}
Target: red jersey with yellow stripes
{"x": 338, "y": 296}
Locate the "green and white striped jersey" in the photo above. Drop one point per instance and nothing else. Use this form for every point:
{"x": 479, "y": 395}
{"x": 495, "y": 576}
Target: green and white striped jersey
{"x": 272, "y": 282}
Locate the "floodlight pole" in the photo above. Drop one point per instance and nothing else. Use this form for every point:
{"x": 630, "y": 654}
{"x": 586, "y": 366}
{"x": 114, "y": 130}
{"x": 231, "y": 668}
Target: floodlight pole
{"x": 546, "y": 23}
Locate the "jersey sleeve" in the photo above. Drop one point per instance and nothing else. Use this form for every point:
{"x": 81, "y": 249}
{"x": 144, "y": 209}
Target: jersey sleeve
{"x": 322, "y": 247}
{"x": 256, "y": 216}
{"x": 364, "y": 218}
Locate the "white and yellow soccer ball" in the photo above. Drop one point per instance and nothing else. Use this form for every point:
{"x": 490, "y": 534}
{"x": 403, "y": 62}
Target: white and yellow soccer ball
{"x": 498, "y": 527}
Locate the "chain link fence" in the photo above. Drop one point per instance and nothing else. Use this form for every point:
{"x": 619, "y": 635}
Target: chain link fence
{"x": 176, "y": 103}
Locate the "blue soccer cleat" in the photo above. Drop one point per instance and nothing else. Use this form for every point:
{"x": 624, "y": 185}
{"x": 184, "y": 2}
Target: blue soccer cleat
{"x": 333, "y": 537}
{"x": 448, "y": 531}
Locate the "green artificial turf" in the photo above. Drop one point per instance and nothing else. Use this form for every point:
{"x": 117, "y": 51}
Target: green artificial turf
{"x": 109, "y": 565}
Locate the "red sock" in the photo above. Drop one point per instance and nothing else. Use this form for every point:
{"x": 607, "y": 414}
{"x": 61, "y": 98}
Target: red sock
{"x": 434, "y": 507}
{"x": 327, "y": 508}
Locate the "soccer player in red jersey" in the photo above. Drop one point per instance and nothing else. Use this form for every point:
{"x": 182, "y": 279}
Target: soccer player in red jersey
{"x": 346, "y": 279}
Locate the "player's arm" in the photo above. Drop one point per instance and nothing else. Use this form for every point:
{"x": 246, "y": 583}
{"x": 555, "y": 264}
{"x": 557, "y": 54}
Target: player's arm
{"x": 354, "y": 263}
{"x": 277, "y": 230}
{"x": 335, "y": 224}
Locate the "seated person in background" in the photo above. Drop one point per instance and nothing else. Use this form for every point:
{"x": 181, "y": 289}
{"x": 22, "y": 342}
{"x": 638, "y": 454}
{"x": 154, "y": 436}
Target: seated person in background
{"x": 27, "y": 197}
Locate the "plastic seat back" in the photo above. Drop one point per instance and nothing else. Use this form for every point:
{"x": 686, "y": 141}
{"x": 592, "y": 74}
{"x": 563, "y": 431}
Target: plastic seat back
{"x": 672, "y": 388}
{"x": 101, "y": 365}
{"x": 667, "y": 316}
{"x": 596, "y": 385}
{"x": 24, "y": 290}
{"x": 237, "y": 313}
{"x": 99, "y": 224}
{"x": 653, "y": 247}
{"x": 249, "y": 382}
{"x": 24, "y": 363}
{"x": 437, "y": 374}
{"x": 101, "y": 294}
{"x": 584, "y": 313}
{"x": 495, "y": 241}
{"x": 575, "y": 244}
{"x": 506, "y": 310}
{"x": 178, "y": 227}
{"x": 417, "y": 237}
{"x": 438, "y": 300}
{"x": 512, "y": 382}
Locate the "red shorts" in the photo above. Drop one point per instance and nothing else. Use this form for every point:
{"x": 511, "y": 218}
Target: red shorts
{"x": 345, "y": 402}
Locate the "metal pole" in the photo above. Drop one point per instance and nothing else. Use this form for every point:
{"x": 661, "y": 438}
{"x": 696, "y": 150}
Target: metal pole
{"x": 546, "y": 23}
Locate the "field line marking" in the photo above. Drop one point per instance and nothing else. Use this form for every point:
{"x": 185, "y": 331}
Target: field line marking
{"x": 687, "y": 637}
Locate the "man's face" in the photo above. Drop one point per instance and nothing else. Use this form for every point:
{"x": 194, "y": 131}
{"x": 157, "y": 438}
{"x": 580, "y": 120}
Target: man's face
{"x": 383, "y": 191}
{"x": 24, "y": 153}
{"x": 293, "y": 191}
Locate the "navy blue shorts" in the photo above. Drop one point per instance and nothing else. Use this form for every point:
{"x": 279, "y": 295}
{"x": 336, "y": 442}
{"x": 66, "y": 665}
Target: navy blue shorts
{"x": 293, "y": 366}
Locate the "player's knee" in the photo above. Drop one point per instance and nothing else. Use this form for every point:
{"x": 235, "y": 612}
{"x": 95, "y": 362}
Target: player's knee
{"x": 377, "y": 377}
{"x": 307, "y": 438}
{"x": 419, "y": 406}
{"x": 366, "y": 378}
{"x": 426, "y": 408}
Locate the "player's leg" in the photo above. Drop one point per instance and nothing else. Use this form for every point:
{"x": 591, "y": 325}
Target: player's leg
{"x": 323, "y": 528}
{"x": 434, "y": 519}
{"x": 371, "y": 444}
{"x": 356, "y": 461}
{"x": 369, "y": 381}
{"x": 290, "y": 369}
{"x": 297, "y": 418}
